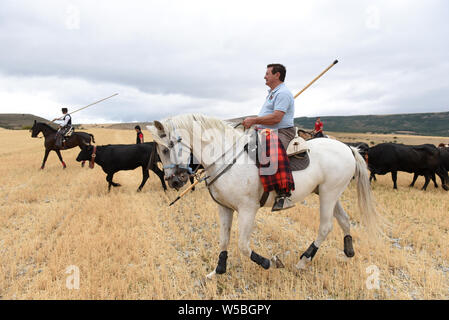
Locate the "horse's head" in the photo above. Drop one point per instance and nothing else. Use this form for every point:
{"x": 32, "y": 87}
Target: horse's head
{"x": 35, "y": 129}
{"x": 305, "y": 134}
{"x": 174, "y": 151}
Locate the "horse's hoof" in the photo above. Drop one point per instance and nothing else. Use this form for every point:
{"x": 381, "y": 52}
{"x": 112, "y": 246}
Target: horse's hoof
{"x": 349, "y": 253}
{"x": 277, "y": 262}
{"x": 349, "y": 249}
{"x": 302, "y": 264}
{"x": 211, "y": 275}
{"x": 139, "y": 190}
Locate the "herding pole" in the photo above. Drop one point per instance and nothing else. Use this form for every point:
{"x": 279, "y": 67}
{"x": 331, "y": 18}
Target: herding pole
{"x": 86, "y": 106}
{"x": 188, "y": 189}
{"x": 333, "y": 64}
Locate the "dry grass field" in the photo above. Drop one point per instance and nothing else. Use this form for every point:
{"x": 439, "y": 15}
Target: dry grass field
{"x": 130, "y": 245}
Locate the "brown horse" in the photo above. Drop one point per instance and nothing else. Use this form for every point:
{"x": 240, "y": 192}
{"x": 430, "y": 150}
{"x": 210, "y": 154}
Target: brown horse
{"x": 76, "y": 139}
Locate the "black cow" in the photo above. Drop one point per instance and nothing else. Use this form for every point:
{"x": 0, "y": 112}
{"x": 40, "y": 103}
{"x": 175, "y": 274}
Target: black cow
{"x": 116, "y": 157}
{"x": 444, "y": 156}
{"x": 421, "y": 159}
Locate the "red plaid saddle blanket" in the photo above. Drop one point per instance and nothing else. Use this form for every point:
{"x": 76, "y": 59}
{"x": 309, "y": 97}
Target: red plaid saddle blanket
{"x": 274, "y": 166}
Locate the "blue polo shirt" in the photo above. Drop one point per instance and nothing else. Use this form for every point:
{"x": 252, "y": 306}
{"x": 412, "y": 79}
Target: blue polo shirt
{"x": 280, "y": 98}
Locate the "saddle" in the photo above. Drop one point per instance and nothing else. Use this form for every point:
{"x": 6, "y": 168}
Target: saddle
{"x": 68, "y": 133}
{"x": 62, "y": 136}
{"x": 297, "y": 151}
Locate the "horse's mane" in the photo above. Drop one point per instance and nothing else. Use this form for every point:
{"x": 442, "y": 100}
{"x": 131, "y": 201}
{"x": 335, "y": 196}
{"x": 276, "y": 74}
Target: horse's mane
{"x": 186, "y": 121}
{"x": 46, "y": 125}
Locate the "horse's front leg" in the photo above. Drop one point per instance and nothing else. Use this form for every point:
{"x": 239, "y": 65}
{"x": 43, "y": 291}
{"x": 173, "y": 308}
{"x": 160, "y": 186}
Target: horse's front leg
{"x": 60, "y": 159}
{"x": 47, "y": 151}
{"x": 226, "y": 216}
{"x": 246, "y": 224}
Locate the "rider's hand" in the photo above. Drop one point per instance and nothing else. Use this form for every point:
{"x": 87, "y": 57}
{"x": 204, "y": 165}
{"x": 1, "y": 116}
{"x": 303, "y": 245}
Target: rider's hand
{"x": 248, "y": 122}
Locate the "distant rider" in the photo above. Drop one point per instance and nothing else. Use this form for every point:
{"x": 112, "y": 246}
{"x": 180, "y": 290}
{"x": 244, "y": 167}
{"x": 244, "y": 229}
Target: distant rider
{"x": 64, "y": 127}
{"x": 318, "y": 132}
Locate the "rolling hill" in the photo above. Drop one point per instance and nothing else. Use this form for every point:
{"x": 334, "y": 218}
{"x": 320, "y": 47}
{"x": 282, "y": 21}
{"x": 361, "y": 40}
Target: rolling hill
{"x": 19, "y": 120}
{"x": 429, "y": 124}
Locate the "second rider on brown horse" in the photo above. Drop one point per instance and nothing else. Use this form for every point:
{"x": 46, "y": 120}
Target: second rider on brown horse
{"x": 64, "y": 128}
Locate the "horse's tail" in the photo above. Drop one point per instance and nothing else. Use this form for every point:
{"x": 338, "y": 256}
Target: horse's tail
{"x": 369, "y": 214}
{"x": 92, "y": 136}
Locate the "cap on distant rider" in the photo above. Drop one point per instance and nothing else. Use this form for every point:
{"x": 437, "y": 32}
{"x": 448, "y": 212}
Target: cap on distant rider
{"x": 64, "y": 110}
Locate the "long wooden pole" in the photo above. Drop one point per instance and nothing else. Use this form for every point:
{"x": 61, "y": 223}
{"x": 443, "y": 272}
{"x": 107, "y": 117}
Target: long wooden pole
{"x": 188, "y": 189}
{"x": 333, "y": 64}
{"x": 87, "y": 106}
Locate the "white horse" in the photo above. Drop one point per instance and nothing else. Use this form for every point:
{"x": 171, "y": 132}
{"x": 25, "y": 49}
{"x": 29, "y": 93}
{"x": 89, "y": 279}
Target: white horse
{"x": 332, "y": 167}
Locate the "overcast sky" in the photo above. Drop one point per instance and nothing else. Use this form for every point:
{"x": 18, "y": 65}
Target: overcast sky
{"x": 171, "y": 57}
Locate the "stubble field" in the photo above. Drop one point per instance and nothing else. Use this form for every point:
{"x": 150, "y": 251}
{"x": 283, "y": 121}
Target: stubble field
{"x": 129, "y": 245}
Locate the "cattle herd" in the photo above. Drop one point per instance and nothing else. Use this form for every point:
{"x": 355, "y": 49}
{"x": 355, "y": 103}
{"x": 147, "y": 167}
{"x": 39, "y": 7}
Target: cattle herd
{"x": 421, "y": 160}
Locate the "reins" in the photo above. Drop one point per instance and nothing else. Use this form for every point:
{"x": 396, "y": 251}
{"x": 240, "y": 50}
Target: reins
{"x": 208, "y": 184}
{"x": 198, "y": 176}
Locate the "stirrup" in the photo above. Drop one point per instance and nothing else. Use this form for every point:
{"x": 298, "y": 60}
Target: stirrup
{"x": 282, "y": 202}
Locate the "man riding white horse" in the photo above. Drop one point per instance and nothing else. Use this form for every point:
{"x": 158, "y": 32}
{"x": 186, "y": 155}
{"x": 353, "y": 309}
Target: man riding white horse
{"x": 277, "y": 114}
{"x": 235, "y": 185}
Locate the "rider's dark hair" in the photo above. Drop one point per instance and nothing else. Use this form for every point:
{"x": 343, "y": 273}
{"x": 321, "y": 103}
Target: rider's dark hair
{"x": 278, "y": 68}
{"x": 64, "y": 110}
{"x": 137, "y": 127}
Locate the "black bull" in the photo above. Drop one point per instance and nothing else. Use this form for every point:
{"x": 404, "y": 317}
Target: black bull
{"x": 421, "y": 159}
{"x": 116, "y": 157}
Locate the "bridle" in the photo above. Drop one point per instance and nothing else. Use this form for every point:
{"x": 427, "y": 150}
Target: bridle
{"x": 217, "y": 174}
{"x": 177, "y": 165}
